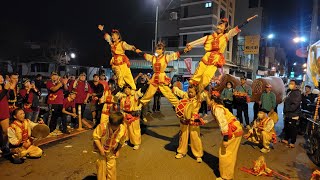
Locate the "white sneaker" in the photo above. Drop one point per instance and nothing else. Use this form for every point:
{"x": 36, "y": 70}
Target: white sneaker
{"x": 136, "y": 147}
{"x": 199, "y": 160}
{"x": 144, "y": 119}
{"x": 179, "y": 156}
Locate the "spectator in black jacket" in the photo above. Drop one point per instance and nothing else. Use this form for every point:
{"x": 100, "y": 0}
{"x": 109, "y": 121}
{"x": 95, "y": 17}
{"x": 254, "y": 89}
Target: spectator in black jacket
{"x": 307, "y": 98}
{"x": 39, "y": 82}
{"x": 142, "y": 83}
{"x": 291, "y": 112}
{"x": 95, "y": 106}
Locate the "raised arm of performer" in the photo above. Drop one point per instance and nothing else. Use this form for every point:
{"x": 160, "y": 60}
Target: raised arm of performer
{"x": 107, "y": 36}
{"x": 220, "y": 30}
{"x": 112, "y": 40}
{"x": 169, "y": 57}
{"x": 159, "y": 79}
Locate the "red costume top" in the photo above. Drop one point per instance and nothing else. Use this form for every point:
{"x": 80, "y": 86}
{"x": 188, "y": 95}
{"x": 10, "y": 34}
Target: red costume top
{"x": 68, "y": 104}
{"x": 82, "y": 88}
{"x": 54, "y": 97}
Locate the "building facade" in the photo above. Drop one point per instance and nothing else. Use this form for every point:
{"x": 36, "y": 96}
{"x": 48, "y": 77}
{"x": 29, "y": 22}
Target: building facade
{"x": 191, "y": 20}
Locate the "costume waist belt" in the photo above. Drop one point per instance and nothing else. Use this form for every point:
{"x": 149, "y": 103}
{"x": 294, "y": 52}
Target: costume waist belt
{"x": 232, "y": 130}
{"x": 157, "y": 81}
{"x": 130, "y": 118}
{"x": 133, "y": 113}
{"x": 124, "y": 59}
{"x": 197, "y": 122}
{"x": 221, "y": 61}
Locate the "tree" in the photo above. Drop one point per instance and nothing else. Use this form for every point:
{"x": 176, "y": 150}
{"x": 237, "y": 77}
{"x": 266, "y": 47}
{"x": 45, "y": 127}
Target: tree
{"x": 58, "y": 49}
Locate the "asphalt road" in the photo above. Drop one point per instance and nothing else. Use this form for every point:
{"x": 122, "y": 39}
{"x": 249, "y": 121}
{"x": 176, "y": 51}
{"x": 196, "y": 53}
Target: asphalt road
{"x": 73, "y": 158}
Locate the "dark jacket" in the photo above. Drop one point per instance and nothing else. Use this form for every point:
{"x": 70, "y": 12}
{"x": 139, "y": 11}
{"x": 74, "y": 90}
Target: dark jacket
{"x": 292, "y": 104}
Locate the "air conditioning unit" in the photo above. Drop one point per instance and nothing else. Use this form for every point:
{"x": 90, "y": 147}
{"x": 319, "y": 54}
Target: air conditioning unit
{"x": 173, "y": 16}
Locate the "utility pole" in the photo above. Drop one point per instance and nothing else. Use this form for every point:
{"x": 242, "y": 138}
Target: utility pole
{"x": 156, "y": 28}
{"x": 313, "y": 32}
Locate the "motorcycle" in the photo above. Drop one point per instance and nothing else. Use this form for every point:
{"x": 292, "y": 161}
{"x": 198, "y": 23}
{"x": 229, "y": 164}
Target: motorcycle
{"x": 312, "y": 134}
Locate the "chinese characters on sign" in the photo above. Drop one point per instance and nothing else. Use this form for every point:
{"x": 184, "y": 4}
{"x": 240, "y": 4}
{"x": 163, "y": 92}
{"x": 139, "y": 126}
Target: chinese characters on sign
{"x": 251, "y": 44}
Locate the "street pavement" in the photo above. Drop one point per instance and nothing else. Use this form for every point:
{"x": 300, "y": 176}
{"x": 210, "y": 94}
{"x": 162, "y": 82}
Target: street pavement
{"x": 74, "y": 158}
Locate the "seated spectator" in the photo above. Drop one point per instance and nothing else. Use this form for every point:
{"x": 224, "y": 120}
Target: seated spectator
{"x": 19, "y": 134}
{"x": 262, "y": 131}
{"x": 69, "y": 108}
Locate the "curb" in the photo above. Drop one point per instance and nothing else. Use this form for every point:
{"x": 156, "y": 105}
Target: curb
{"x": 57, "y": 138}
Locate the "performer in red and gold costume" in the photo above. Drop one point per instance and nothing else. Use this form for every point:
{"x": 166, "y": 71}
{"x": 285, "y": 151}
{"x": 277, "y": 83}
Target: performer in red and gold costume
{"x": 262, "y": 131}
{"x": 214, "y": 45}
{"x": 190, "y": 121}
{"x": 232, "y": 134}
{"x": 120, "y": 62}
{"x": 160, "y": 79}
{"x": 129, "y": 106}
{"x": 109, "y": 137}
{"x": 109, "y": 101}
{"x": 19, "y": 134}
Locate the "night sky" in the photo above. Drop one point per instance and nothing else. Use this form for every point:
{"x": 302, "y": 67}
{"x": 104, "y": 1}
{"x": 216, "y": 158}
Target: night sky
{"x": 39, "y": 21}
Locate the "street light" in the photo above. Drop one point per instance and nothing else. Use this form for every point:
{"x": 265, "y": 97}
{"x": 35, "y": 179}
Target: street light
{"x": 73, "y": 55}
{"x": 156, "y": 26}
{"x": 294, "y": 63}
{"x": 304, "y": 65}
{"x": 270, "y": 36}
{"x": 299, "y": 39}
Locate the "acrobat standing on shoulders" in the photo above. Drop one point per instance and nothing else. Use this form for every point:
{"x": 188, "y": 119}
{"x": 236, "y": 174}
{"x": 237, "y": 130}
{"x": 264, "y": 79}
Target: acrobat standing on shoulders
{"x": 160, "y": 79}
{"x": 119, "y": 62}
{"x": 214, "y": 45}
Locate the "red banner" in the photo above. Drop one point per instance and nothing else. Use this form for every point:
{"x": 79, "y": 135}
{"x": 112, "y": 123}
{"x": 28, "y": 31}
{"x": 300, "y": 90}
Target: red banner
{"x": 188, "y": 62}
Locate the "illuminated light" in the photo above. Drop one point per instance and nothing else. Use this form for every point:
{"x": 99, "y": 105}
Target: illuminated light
{"x": 273, "y": 68}
{"x": 304, "y": 70}
{"x": 299, "y": 39}
{"x": 303, "y": 39}
{"x": 304, "y": 65}
{"x": 296, "y": 39}
{"x": 294, "y": 63}
{"x": 270, "y": 36}
{"x": 73, "y": 55}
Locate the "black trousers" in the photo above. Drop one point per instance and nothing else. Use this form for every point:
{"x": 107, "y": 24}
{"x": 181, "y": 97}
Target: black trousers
{"x": 256, "y": 108}
{"x": 55, "y": 112}
{"x": 228, "y": 105}
{"x": 243, "y": 107}
{"x": 290, "y": 130}
{"x": 98, "y": 113}
{"x": 204, "y": 108}
{"x": 156, "y": 101}
{"x": 303, "y": 122}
